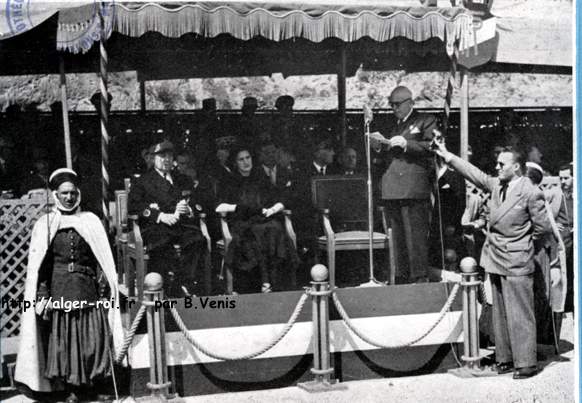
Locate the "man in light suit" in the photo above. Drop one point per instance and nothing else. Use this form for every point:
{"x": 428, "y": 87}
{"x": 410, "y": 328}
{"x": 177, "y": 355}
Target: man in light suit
{"x": 516, "y": 228}
{"x": 407, "y": 184}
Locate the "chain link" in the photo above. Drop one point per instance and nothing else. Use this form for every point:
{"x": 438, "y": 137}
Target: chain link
{"x": 129, "y": 337}
{"x": 264, "y": 349}
{"x": 374, "y": 343}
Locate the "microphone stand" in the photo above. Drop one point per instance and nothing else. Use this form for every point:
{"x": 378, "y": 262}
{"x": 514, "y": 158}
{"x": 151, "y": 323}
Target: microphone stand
{"x": 372, "y": 282}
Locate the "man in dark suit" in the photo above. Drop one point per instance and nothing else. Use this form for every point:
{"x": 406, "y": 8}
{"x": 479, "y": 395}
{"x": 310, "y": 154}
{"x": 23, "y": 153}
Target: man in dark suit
{"x": 280, "y": 176}
{"x": 567, "y": 228}
{"x": 348, "y": 162}
{"x": 163, "y": 201}
{"x": 407, "y": 184}
{"x": 305, "y": 215}
{"x": 516, "y": 229}
{"x": 319, "y": 165}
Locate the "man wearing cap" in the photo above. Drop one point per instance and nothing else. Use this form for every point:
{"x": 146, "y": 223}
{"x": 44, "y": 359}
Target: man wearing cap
{"x": 285, "y": 133}
{"x": 249, "y": 129}
{"x": 407, "y": 184}
{"x": 163, "y": 201}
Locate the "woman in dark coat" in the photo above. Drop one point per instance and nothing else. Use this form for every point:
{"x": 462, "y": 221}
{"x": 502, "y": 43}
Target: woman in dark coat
{"x": 66, "y": 341}
{"x": 261, "y": 254}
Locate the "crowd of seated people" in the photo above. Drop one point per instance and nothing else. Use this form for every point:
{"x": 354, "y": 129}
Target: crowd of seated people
{"x": 261, "y": 169}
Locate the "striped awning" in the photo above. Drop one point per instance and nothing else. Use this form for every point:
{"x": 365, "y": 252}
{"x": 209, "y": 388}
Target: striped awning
{"x": 273, "y": 20}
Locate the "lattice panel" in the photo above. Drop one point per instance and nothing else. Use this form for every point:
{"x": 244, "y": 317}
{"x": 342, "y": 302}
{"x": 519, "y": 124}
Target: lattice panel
{"x": 16, "y": 220}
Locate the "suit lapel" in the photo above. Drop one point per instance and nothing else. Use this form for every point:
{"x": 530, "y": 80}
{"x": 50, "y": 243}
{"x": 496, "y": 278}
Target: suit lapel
{"x": 403, "y": 128}
{"x": 162, "y": 184}
{"x": 513, "y": 196}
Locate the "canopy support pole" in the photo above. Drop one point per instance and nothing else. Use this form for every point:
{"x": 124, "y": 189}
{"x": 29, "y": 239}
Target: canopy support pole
{"x": 341, "y": 94}
{"x": 464, "y": 111}
{"x": 65, "y": 109}
{"x": 142, "y": 96}
{"x": 104, "y": 115}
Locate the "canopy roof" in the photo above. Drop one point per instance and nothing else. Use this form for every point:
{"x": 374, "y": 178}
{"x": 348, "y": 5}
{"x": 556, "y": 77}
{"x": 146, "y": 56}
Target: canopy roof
{"x": 533, "y": 32}
{"x": 274, "y": 20}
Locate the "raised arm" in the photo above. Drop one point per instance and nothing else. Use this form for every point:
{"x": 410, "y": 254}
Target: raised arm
{"x": 468, "y": 170}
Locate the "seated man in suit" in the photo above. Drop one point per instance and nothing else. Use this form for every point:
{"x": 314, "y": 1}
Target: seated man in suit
{"x": 280, "y": 176}
{"x": 348, "y": 162}
{"x": 305, "y": 215}
{"x": 163, "y": 201}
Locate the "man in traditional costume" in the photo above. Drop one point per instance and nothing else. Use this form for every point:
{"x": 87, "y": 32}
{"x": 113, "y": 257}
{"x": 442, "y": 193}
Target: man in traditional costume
{"x": 69, "y": 261}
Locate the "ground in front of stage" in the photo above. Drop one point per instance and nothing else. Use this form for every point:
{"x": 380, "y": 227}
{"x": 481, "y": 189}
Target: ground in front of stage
{"x": 555, "y": 383}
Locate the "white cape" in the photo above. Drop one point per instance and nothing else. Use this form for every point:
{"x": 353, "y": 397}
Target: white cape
{"x": 30, "y": 362}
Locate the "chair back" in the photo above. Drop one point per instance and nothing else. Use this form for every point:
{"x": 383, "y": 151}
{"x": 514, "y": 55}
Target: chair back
{"x": 346, "y": 198}
{"x": 121, "y": 210}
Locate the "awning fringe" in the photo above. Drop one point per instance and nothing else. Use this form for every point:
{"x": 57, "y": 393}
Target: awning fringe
{"x": 418, "y": 24}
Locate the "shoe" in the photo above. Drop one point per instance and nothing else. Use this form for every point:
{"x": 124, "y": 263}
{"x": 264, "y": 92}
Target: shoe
{"x": 524, "y": 373}
{"x": 504, "y": 368}
{"x": 489, "y": 360}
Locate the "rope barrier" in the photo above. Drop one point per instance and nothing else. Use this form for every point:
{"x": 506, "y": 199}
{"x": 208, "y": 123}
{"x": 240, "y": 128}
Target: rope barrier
{"x": 219, "y": 357}
{"x": 123, "y": 351}
{"x": 358, "y": 333}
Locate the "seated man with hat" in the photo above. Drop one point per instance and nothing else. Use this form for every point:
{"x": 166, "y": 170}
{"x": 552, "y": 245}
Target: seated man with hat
{"x": 162, "y": 200}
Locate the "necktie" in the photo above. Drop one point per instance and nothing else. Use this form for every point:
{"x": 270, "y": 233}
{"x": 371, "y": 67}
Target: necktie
{"x": 503, "y": 191}
{"x": 272, "y": 176}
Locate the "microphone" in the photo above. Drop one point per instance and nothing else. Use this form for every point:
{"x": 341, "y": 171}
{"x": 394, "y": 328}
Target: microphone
{"x": 368, "y": 115}
{"x": 437, "y": 139}
{"x": 186, "y": 195}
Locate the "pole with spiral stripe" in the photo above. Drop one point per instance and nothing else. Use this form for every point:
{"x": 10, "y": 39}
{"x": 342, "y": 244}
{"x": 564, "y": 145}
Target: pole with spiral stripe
{"x": 450, "y": 87}
{"x": 104, "y": 115}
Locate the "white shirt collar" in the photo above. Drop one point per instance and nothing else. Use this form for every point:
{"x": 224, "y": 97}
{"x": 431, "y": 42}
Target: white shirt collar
{"x": 268, "y": 169}
{"x": 163, "y": 175}
{"x": 318, "y": 167}
{"x": 407, "y": 116}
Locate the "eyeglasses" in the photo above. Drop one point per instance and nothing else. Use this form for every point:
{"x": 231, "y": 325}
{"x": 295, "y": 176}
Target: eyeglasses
{"x": 395, "y": 105}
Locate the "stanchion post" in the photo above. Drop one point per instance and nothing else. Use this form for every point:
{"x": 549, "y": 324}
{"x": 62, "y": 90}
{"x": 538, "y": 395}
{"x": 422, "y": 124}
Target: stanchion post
{"x": 322, "y": 369}
{"x": 470, "y": 285}
{"x": 471, "y": 354}
{"x": 159, "y": 385}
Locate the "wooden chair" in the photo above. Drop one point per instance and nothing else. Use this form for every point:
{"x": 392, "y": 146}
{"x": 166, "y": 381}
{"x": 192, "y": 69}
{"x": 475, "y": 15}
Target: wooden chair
{"x": 119, "y": 224}
{"x": 342, "y": 200}
{"x": 135, "y": 256}
{"x": 223, "y": 244}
